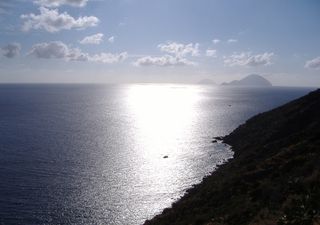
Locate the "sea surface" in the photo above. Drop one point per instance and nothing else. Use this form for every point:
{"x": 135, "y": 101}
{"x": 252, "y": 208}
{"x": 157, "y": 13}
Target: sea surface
{"x": 114, "y": 154}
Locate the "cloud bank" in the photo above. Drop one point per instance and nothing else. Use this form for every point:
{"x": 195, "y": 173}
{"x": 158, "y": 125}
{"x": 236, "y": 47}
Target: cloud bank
{"x": 109, "y": 57}
{"x": 59, "y": 50}
{"x": 176, "y": 55}
{"x": 166, "y": 60}
{"x": 52, "y": 21}
{"x": 180, "y": 50}
{"x": 248, "y": 59}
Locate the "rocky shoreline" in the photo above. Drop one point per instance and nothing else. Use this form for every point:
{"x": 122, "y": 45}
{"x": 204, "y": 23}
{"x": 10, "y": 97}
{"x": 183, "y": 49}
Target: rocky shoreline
{"x": 274, "y": 177}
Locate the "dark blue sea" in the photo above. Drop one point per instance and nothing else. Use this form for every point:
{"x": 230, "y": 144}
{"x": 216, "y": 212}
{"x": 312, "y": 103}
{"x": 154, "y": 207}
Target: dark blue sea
{"x": 114, "y": 154}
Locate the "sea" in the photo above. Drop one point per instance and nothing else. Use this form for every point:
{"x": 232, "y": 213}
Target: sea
{"x": 87, "y": 154}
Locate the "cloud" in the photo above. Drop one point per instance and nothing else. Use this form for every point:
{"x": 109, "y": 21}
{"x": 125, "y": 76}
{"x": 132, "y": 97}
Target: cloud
{"x": 166, "y": 60}
{"x": 215, "y": 41}
{"x": 232, "y": 40}
{"x": 109, "y": 58}
{"x": 176, "y": 57}
{"x": 59, "y": 50}
{"x": 93, "y": 39}
{"x": 111, "y": 39}
{"x": 11, "y": 50}
{"x": 211, "y": 53}
{"x": 53, "y": 21}
{"x": 57, "y": 3}
{"x": 247, "y": 59}
{"x": 180, "y": 50}
{"x": 313, "y": 63}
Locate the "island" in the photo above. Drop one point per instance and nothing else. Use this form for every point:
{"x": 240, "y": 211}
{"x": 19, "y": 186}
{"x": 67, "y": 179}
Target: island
{"x": 253, "y": 80}
{"x": 274, "y": 177}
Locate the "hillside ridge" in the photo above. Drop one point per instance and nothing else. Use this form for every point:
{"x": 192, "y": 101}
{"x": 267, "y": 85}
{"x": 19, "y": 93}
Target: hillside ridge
{"x": 273, "y": 178}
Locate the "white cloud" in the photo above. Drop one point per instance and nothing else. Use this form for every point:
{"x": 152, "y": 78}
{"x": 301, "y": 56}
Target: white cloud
{"x": 215, "y": 41}
{"x": 211, "y": 53}
{"x": 232, "y": 40}
{"x": 93, "y": 39}
{"x": 59, "y": 50}
{"x": 57, "y": 3}
{"x": 177, "y": 57}
{"x": 247, "y": 59}
{"x": 111, "y": 39}
{"x": 166, "y": 60}
{"x": 11, "y": 50}
{"x": 313, "y": 63}
{"x": 180, "y": 50}
{"x": 109, "y": 58}
{"x": 53, "y": 21}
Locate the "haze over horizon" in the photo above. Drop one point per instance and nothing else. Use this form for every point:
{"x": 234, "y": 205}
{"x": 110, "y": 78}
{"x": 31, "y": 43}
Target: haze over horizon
{"x": 95, "y": 41}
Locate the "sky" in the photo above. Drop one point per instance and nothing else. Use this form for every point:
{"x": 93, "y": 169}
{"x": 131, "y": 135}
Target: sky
{"x": 111, "y": 41}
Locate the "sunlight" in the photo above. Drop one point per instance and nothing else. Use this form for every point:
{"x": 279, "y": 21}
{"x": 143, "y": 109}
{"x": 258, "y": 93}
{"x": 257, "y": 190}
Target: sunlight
{"x": 163, "y": 115}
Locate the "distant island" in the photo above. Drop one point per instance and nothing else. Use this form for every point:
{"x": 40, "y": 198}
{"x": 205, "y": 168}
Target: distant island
{"x": 274, "y": 177}
{"x": 252, "y": 80}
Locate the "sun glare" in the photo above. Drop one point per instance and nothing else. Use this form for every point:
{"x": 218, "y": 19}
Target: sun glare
{"x": 163, "y": 115}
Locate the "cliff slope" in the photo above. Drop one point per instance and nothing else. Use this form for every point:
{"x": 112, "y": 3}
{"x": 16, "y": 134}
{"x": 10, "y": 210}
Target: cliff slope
{"x": 274, "y": 177}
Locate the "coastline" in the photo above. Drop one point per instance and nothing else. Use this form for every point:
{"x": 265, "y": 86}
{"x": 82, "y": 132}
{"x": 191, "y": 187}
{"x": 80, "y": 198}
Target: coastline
{"x": 274, "y": 172}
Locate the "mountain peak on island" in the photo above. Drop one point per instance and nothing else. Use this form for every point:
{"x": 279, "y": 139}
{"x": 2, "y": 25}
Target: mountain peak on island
{"x": 253, "y": 80}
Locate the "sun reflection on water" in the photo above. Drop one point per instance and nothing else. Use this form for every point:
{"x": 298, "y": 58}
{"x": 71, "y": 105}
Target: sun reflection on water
{"x": 168, "y": 153}
{"x": 163, "y": 119}
{"x": 163, "y": 116}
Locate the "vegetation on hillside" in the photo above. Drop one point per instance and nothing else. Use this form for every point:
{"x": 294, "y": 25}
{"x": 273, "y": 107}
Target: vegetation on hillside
{"x": 274, "y": 177}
